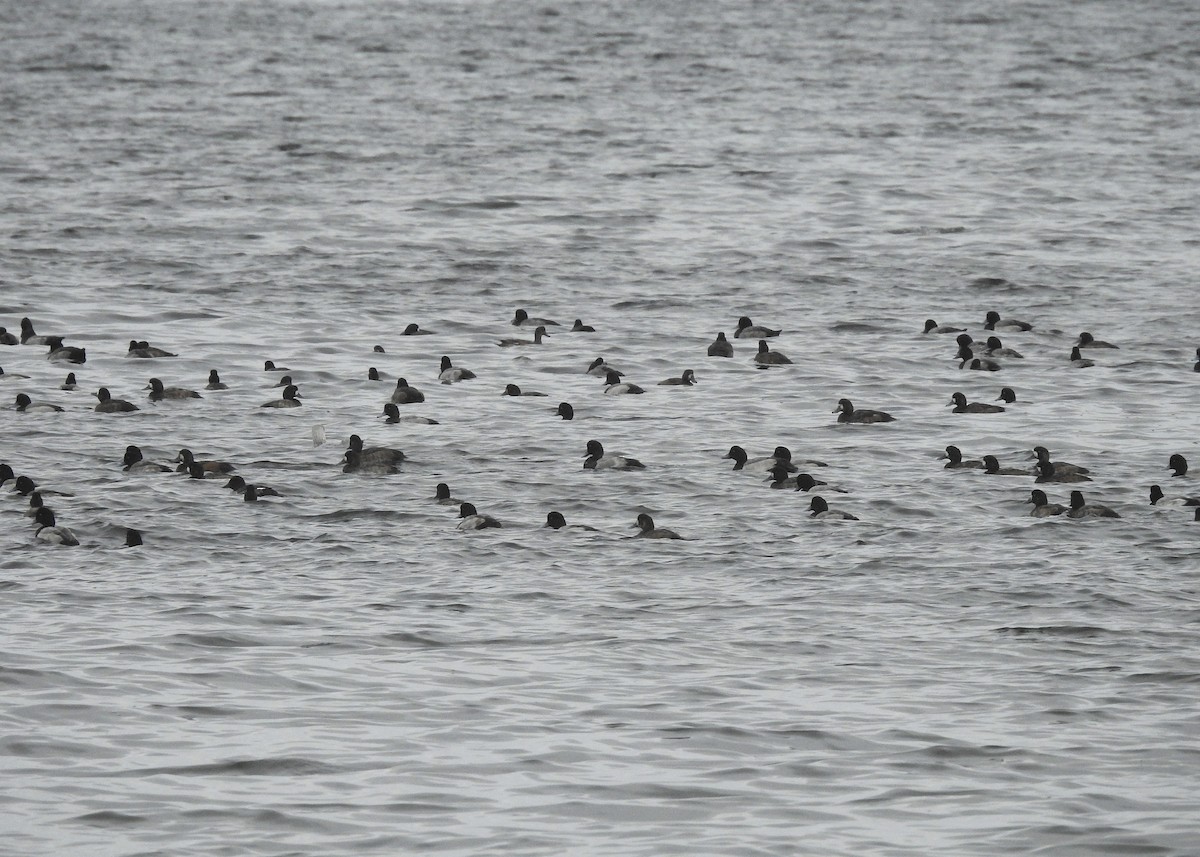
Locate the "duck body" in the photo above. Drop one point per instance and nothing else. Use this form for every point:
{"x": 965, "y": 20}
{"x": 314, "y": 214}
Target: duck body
{"x": 1081, "y": 509}
{"x": 748, "y": 329}
{"x": 48, "y": 531}
{"x": 614, "y": 386}
{"x": 766, "y": 357}
{"x": 932, "y": 326}
{"x": 215, "y": 382}
{"x": 60, "y": 353}
{"x": 955, "y": 460}
{"x": 133, "y": 462}
{"x": 1048, "y": 472}
{"x": 145, "y": 350}
{"x": 524, "y": 319}
{"x": 780, "y": 458}
{"x": 993, "y": 321}
{"x": 471, "y": 519}
{"x": 1158, "y": 498}
{"x": 687, "y": 379}
{"x": 186, "y": 459}
{"x": 1042, "y": 507}
{"x": 373, "y": 454}
{"x": 406, "y": 395}
{"x": 722, "y": 347}
{"x": 538, "y": 333}
{"x": 109, "y": 405}
{"x": 290, "y": 399}
{"x": 1086, "y": 340}
{"x": 647, "y": 529}
{"x": 451, "y": 374}
{"x": 1078, "y": 361}
{"x": 27, "y": 406}
{"x": 597, "y": 460}
{"x": 991, "y": 467}
{"x": 158, "y": 392}
{"x": 819, "y": 508}
{"x": 847, "y": 413}
{"x": 962, "y": 406}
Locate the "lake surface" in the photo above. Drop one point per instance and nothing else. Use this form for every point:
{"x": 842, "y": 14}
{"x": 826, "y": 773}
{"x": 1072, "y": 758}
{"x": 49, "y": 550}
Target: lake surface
{"x": 342, "y": 671}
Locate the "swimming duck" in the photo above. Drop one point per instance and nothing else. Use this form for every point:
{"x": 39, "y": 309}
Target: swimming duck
{"x": 538, "y": 333}
{"x": 956, "y": 462}
{"x": 214, "y": 381}
{"x": 25, "y": 486}
{"x": 523, "y": 319}
{"x": 961, "y": 406}
{"x": 687, "y": 379}
{"x": 134, "y": 463}
{"x": 992, "y": 321}
{"x": 144, "y": 349}
{"x": 1086, "y": 340}
{"x": 1080, "y": 509}
{"x": 1007, "y": 395}
{"x": 133, "y": 538}
{"x": 514, "y": 390}
{"x": 29, "y": 337}
{"x": 600, "y": 369}
{"x": 722, "y": 347}
{"x": 158, "y": 392}
{"x": 968, "y": 360}
{"x": 392, "y": 414}
{"x": 373, "y": 374}
{"x": 209, "y": 465}
{"x": 932, "y": 326}
{"x": 1042, "y": 507}
{"x": 442, "y": 496}
{"x": 565, "y": 411}
{"x": 805, "y": 482}
{"x": 819, "y": 508}
{"x": 7, "y": 338}
{"x": 472, "y": 520}
{"x": 48, "y": 531}
{"x": 12, "y": 376}
{"x": 995, "y": 348}
{"x": 269, "y": 366}
{"x": 1157, "y": 498}
{"x": 780, "y": 479}
{"x": 6, "y": 473}
{"x": 26, "y": 406}
{"x": 991, "y": 466}
{"x": 1043, "y": 455}
{"x": 766, "y": 357}
{"x": 1078, "y": 361}
{"x": 1179, "y": 464}
{"x": 406, "y": 395}
{"x": 109, "y": 405}
{"x": 415, "y": 330}
{"x": 1048, "y": 471}
{"x": 238, "y": 485}
{"x": 647, "y": 530}
{"x": 355, "y": 464}
{"x": 597, "y": 460}
{"x": 614, "y": 386}
{"x": 285, "y": 381}
{"x": 556, "y": 521}
{"x": 750, "y": 330}
{"x": 848, "y": 414}
{"x": 290, "y": 399}
{"x": 781, "y": 457}
{"x": 60, "y": 353}
{"x": 373, "y": 454}
{"x": 449, "y": 374}
{"x": 580, "y": 327}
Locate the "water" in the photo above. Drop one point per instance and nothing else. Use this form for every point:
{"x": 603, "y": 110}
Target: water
{"x": 342, "y": 671}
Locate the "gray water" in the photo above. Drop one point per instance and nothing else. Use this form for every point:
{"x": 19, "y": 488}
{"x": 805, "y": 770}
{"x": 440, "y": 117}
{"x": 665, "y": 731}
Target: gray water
{"x": 342, "y": 671}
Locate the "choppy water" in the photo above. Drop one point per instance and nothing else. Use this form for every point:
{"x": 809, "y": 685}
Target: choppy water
{"x": 342, "y": 671}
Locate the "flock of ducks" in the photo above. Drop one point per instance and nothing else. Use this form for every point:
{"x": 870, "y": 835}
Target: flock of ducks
{"x": 779, "y": 468}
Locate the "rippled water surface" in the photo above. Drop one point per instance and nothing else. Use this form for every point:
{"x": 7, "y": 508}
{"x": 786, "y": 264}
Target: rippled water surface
{"x": 342, "y": 671}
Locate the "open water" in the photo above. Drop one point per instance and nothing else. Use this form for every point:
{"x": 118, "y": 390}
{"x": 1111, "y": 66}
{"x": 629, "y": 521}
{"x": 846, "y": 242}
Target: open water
{"x": 342, "y": 671}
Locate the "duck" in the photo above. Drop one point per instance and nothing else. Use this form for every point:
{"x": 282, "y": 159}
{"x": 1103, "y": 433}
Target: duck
{"x": 355, "y": 464}
{"x": 961, "y": 406}
{"x": 373, "y": 454}
{"x": 780, "y": 479}
{"x": 848, "y": 414}
{"x": 285, "y": 381}
{"x": 144, "y": 349}
{"x": 538, "y": 333}
{"x": 26, "y": 406}
{"x": 35, "y": 502}
{"x": 472, "y": 520}
{"x": 442, "y": 496}
{"x": 805, "y": 482}
{"x": 1042, "y": 455}
{"x": 580, "y": 327}
{"x": 158, "y": 392}
{"x": 647, "y": 530}
{"x": 1042, "y": 507}
{"x": 60, "y": 353}
{"x": 995, "y": 348}
{"x": 373, "y": 374}
{"x": 597, "y": 460}
{"x": 956, "y": 462}
{"x": 209, "y": 465}
{"x": 391, "y": 414}
{"x": 991, "y": 467}
{"x": 25, "y": 486}
{"x": 565, "y": 411}
{"x": 1178, "y": 464}
{"x": 766, "y": 357}
{"x": 932, "y": 326}
{"x": 415, "y": 329}
{"x": 614, "y": 386}
{"x": 687, "y": 379}
{"x": 600, "y": 369}
{"x": 523, "y": 319}
{"x": 1080, "y": 509}
{"x": 290, "y": 399}
{"x": 133, "y": 462}
{"x": 109, "y": 405}
{"x": 406, "y": 395}
{"x": 29, "y": 336}
{"x": 1007, "y": 395}
{"x": 514, "y": 390}
{"x": 49, "y": 532}
{"x": 722, "y": 347}
{"x": 238, "y": 485}
{"x": 1048, "y": 471}
{"x": 7, "y": 338}
{"x": 1086, "y": 340}
{"x": 819, "y": 508}
{"x": 1078, "y": 361}
{"x": 6, "y": 473}
{"x": 133, "y": 538}
{"x": 782, "y": 457}
{"x": 967, "y": 360}
{"x": 992, "y": 321}
{"x": 750, "y": 330}
{"x": 269, "y": 366}
{"x": 215, "y": 382}
{"x": 12, "y": 376}
{"x": 449, "y": 373}
{"x": 1157, "y": 498}
{"x": 556, "y": 521}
